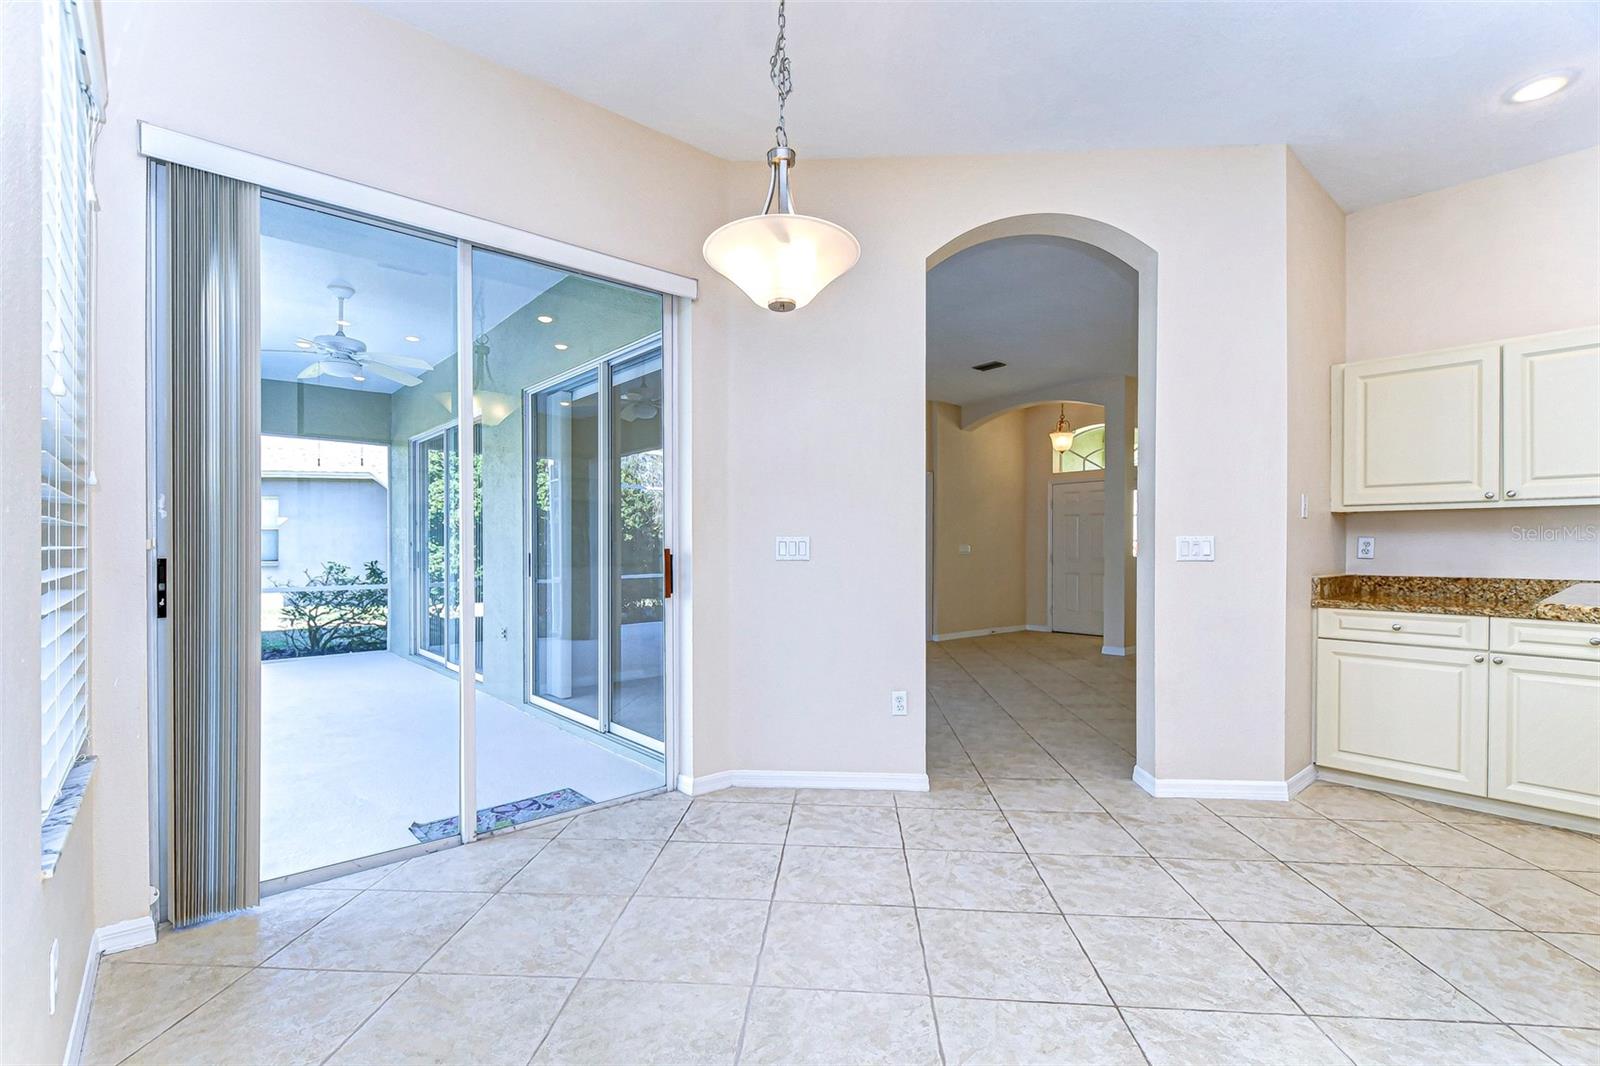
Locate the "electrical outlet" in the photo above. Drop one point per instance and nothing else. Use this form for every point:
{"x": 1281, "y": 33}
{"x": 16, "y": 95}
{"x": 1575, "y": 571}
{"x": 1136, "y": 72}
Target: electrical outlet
{"x": 1366, "y": 547}
{"x": 898, "y": 705}
{"x": 55, "y": 971}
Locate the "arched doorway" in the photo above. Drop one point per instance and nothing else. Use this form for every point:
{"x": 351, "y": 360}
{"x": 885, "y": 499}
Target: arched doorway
{"x": 1141, "y": 259}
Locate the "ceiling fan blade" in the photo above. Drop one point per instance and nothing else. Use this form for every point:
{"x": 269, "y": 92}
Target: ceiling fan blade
{"x": 312, "y": 371}
{"x": 391, "y": 373}
{"x": 404, "y": 362}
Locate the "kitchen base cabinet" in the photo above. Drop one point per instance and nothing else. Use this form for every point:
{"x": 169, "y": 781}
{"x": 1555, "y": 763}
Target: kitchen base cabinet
{"x": 1544, "y": 733}
{"x": 1406, "y": 713}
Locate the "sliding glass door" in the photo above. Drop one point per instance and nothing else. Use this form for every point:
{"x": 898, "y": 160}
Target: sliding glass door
{"x": 566, "y": 550}
{"x": 598, "y": 522}
{"x": 638, "y": 533}
{"x": 436, "y": 545}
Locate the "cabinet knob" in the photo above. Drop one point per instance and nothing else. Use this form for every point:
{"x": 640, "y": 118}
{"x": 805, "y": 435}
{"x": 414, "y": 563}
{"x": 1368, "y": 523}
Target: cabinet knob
{"x": 1595, "y": 641}
{"x": 1498, "y": 660}
{"x": 1510, "y": 493}
{"x": 1488, "y": 495}
{"x": 1395, "y": 627}
{"x": 1477, "y": 658}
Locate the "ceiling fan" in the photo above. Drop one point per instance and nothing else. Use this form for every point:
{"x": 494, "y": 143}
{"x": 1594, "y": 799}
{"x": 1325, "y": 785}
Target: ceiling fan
{"x": 343, "y": 356}
{"x": 638, "y": 403}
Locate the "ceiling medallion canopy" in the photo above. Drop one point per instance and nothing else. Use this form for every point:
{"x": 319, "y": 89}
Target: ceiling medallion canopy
{"x": 781, "y": 259}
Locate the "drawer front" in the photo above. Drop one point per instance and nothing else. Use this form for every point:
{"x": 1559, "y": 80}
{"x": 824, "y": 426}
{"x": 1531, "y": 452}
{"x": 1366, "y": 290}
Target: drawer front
{"x": 1407, "y": 714}
{"x": 1535, "y": 636}
{"x": 1544, "y": 733}
{"x": 1394, "y": 627}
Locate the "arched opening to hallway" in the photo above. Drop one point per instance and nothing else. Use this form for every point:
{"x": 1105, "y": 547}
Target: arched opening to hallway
{"x": 1039, "y": 596}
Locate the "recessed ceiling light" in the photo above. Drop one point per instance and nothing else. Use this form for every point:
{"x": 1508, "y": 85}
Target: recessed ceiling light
{"x": 412, "y": 339}
{"x": 302, "y": 344}
{"x": 560, "y": 347}
{"x": 566, "y": 403}
{"x": 1539, "y": 88}
{"x": 547, "y": 319}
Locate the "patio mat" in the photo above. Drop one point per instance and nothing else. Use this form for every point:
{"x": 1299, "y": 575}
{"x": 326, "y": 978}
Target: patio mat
{"x": 504, "y": 815}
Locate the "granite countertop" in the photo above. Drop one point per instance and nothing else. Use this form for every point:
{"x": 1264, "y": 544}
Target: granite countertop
{"x": 1513, "y": 597}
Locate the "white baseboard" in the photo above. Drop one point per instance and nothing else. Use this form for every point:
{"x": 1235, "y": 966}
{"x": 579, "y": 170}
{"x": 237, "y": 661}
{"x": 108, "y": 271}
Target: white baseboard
{"x": 1299, "y": 781}
{"x": 966, "y": 634}
{"x": 1114, "y": 649}
{"x": 107, "y": 940}
{"x": 1038, "y": 629}
{"x": 699, "y": 786}
{"x": 1481, "y": 804}
{"x": 125, "y": 936}
{"x": 1217, "y": 788}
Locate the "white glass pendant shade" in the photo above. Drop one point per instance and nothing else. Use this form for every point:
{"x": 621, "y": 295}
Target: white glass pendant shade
{"x": 1060, "y": 439}
{"x": 781, "y": 260}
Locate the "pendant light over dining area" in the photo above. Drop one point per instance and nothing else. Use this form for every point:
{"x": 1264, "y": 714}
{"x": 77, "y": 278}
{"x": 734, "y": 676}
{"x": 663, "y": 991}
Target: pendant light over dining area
{"x": 781, "y": 259}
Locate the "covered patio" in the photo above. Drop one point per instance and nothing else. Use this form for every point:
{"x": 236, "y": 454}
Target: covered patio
{"x": 357, "y": 747}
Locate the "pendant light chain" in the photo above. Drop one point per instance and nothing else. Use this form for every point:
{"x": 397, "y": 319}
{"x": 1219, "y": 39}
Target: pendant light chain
{"x": 781, "y": 79}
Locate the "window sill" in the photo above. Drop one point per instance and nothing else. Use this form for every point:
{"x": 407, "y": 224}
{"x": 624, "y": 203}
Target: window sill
{"x": 58, "y": 820}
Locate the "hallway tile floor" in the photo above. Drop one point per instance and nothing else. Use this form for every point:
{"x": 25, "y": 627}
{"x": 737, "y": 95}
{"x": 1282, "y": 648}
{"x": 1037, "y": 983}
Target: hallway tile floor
{"x": 1034, "y": 906}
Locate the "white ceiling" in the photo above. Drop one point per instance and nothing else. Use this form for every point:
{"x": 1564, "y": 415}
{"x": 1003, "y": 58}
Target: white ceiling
{"x": 1052, "y": 309}
{"x": 405, "y": 286}
{"x": 1379, "y": 100}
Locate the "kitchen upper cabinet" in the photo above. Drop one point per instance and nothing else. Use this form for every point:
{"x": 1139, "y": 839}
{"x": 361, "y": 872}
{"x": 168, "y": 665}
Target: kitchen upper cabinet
{"x": 1544, "y": 733}
{"x": 1507, "y": 424}
{"x": 1422, "y": 429}
{"x": 1405, "y": 713}
{"x": 1551, "y": 396}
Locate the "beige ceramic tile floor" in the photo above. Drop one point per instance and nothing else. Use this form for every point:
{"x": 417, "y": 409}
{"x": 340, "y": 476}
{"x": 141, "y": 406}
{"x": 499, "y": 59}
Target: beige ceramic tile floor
{"x": 1034, "y": 906}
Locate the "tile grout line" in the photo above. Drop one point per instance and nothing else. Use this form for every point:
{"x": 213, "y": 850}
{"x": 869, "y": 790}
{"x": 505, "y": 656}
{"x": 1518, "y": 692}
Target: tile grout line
{"x": 555, "y": 1018}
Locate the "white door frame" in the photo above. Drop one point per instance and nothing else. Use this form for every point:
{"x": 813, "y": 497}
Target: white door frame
{"x": 468, "y": 232}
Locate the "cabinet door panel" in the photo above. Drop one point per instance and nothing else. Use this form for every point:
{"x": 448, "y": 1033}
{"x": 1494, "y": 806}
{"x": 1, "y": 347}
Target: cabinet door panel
{"x": 1422, "y": 429}
{"x": 1544, "y": 733}
{"x": 1405, "y": 713}
{"x": 1552, "y": 435}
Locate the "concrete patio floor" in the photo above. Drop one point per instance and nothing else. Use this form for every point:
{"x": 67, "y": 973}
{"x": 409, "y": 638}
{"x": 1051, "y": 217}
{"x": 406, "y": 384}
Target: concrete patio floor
{"x": 354, "y": 748}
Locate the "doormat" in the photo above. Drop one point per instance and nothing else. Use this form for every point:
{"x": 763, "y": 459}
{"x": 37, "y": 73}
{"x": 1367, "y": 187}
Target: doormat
{"x": 505, "y": 815}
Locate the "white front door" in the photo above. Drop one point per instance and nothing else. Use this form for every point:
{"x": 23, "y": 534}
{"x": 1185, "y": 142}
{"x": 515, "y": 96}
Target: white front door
{"x": 1077, "y": 556}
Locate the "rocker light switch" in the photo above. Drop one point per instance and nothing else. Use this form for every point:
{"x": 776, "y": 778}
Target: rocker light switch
{"x": 1197, "y": 549}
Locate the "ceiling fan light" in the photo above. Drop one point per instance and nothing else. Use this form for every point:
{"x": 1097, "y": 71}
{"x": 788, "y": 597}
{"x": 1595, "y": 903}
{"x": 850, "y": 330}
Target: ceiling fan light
{"x": 303, "y": 344}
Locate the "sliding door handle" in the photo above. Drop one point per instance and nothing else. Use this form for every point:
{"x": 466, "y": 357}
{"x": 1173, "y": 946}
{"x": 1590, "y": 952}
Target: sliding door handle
{"x": 666, "y": 572}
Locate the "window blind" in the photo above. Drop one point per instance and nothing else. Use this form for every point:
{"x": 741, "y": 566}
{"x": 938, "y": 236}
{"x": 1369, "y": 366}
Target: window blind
{"x": 66, "y": 135}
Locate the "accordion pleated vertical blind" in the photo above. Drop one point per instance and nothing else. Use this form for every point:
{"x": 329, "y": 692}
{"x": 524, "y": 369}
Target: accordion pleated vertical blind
{"x": 213, "y": 303}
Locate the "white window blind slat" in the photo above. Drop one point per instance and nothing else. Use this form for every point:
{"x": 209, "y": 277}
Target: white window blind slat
{"x": 67, "y": 134}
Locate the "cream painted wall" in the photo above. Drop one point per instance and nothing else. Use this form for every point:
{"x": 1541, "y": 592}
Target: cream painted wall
{"x": 34, "y": 912}
{"x": 979, "y": 499}
{"x": 411, "y": 115}
{"x": 850, "y": 371}
{"x": 1315, "y": 256}
{"x": 1506, "y": 256}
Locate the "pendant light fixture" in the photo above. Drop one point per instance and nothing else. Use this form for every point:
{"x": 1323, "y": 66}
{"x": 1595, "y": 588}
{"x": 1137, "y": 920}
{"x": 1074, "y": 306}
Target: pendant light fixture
{"x": 1061, "y": 436}
{"x": 781, "y": 259}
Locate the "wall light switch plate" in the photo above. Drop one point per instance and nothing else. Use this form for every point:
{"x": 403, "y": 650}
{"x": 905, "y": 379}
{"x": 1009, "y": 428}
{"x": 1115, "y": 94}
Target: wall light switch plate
{"x": 1197, "y": 549}
{"x": 964, "y": 549}
{"x": 1366, "y": 547}
{"x": 793, "y": 549}
{"x": 898, "y": 705}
